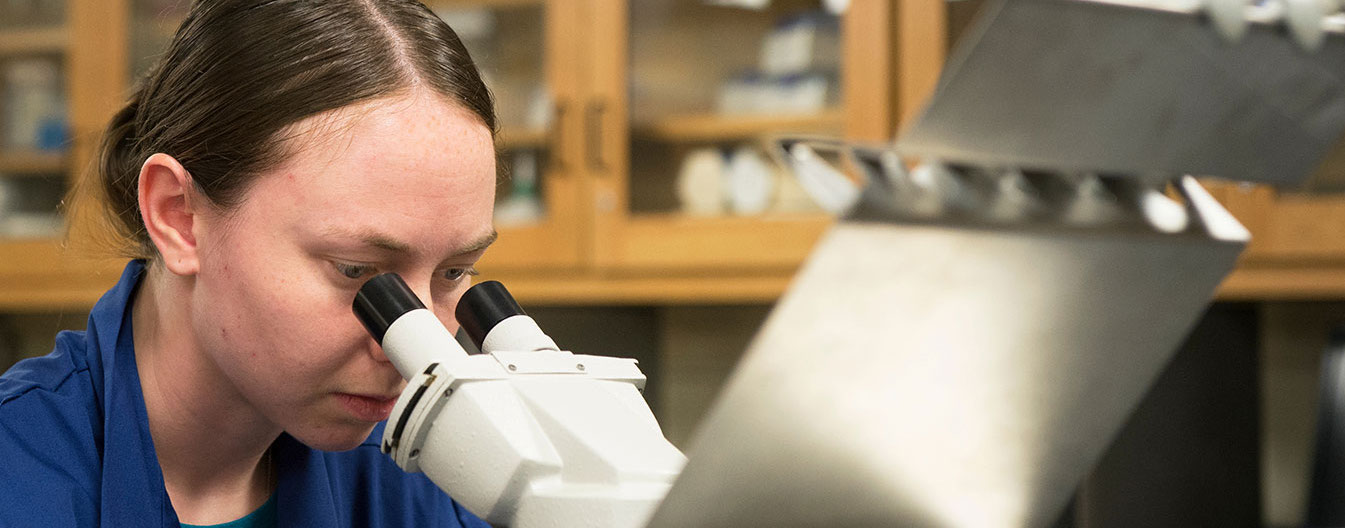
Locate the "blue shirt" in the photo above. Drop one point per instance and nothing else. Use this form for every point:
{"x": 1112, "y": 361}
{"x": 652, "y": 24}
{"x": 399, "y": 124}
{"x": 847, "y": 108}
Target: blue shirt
{"x": 75, "y": 447}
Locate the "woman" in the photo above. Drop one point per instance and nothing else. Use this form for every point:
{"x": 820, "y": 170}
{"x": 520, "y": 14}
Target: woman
{"x": 281, "y": 153}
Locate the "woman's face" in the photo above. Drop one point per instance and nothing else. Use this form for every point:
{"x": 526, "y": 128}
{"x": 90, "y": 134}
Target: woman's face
{"x": 401, "y": 184}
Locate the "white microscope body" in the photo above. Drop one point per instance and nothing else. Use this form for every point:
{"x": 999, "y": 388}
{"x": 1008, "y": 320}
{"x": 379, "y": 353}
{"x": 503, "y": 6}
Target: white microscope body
{"x": 524, "y": 434}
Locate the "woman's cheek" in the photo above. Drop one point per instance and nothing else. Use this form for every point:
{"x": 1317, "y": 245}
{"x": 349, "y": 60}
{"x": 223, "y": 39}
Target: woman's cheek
{"x": 301, "y": 330}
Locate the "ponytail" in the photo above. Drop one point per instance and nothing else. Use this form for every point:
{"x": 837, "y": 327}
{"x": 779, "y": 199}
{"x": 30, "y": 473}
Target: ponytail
{"x": 119, "y": 168}
{"x": 108, "y": 193}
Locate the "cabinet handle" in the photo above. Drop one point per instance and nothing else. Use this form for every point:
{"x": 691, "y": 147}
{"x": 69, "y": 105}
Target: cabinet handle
{"x": 556, "y": 141}
{"x": 593, "y": 134}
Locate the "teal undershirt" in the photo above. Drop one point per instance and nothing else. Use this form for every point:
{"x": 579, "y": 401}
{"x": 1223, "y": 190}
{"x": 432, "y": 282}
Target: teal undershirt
{"x": 263, "y": 517}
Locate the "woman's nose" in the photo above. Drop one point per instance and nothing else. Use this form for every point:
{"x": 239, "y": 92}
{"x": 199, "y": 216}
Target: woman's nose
{"x": 422, "y": 290}
{"x": 376, "y": 351}
{"x": 441, "y": 308}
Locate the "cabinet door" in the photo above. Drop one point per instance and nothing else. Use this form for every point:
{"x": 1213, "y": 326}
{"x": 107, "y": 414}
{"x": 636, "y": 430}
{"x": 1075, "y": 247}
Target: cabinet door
{"x": 35, "y": 155}
{"x": 55, "y": 86}
{"x": 527, "y": 51}
{"x": 683, "y": 97}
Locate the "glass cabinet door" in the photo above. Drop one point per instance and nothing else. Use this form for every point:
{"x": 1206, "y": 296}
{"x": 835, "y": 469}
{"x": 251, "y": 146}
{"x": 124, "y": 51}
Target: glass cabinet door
{"x": 698, "y": 88}
{"x": 708, "y": 82}
{"x": 526, "y": 50}
{"x": 515, "y": 44}
{"x": 34, "y": 118}
{"x": 54, "y": 63}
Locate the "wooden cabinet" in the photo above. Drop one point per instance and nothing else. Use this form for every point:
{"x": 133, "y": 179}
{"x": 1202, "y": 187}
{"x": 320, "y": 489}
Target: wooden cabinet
{"x": 1298, "y": 244}
{"x": 652, "y": 95}
{"x": 601, "y": 103}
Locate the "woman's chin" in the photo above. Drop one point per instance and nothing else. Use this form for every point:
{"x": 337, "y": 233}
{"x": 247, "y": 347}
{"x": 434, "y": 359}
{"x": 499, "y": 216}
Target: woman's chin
{"x": 336, "y": 438}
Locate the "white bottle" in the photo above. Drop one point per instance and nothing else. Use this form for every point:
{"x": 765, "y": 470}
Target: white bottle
{"x": 700, "y": 183}
{"x": 523, "y": 205}
{"x": 751, "y": 182}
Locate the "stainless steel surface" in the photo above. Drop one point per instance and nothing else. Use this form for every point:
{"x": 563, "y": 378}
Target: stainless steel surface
{"x": 918, "y": 374}
{"x": 1076, "y": 85}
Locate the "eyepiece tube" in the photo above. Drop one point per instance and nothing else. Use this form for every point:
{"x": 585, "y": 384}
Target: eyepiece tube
{"x": 411, "y": 336}
{"x": 495, "y": 322}
{"x": 381, "y": 301}
{"x": 483, "y": 306}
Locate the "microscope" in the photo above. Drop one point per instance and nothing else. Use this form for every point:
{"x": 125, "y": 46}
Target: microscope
{"x": 1002, "y": 285}
{"x": 524, "y": 433}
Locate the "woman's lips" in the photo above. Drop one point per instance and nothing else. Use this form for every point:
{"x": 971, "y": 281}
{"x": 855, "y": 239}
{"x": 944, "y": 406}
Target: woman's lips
{"x": 368, "y": 408}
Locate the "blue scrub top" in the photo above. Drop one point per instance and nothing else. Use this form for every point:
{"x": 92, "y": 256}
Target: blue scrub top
{"x": 75, "y": 448}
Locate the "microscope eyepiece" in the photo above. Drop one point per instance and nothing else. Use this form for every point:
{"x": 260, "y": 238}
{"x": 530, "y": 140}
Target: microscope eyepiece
{"x": 484, "y": 306}
{"x": 381, "y": 301}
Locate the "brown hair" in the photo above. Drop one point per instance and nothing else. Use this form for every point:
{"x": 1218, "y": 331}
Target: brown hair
{"x": 240, "y": 72}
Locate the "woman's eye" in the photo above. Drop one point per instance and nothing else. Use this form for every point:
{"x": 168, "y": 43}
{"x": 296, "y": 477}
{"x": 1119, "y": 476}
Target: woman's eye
{"x": 456, "y": 274}
{"x": 353, "y": 271}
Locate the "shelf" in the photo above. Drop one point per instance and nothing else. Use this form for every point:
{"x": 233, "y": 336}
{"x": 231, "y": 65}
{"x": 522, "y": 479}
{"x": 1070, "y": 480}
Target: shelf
{"x": 33, "y": 41}
{"x": 713, "y": 128}
{"x": 659, "y": 243}
{"x": 1322, "y": 281}
{"x": 1245, "y": 284}
{"x": 589, "y": 289}
{"x": 74, "y": 283}
{"x": 33, "y": 162}
{"x": 521, "y": 138}
{"x": 40, "y": 275}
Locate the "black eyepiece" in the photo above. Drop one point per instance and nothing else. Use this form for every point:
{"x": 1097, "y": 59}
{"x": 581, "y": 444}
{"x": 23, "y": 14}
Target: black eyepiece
{"x": 484, "y": 306}
{"x": 381, "y": 301}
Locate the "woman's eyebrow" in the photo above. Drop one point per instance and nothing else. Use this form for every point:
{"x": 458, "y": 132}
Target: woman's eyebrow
{"x": 368, "y": 237}
{"x": 372, "y": 238}
{"x": 479, "y": 244}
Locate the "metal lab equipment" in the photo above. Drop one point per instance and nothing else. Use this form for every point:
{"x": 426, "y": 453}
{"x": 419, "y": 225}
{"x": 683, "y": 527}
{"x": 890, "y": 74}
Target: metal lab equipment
{"x": 1105, "y": 86}
{"x": 964, "y": 343}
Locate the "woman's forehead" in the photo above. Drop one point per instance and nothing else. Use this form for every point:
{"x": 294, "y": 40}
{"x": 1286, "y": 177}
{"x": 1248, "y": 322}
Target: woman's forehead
{"x": 414, "y": 131}
{"x": 397, "y": 163}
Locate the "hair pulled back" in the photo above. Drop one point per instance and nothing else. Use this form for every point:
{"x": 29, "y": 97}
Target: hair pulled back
{"x": 239, "y": 72}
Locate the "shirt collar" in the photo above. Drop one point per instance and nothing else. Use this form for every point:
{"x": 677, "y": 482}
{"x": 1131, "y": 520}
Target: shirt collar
{"x": 133, "y": 490}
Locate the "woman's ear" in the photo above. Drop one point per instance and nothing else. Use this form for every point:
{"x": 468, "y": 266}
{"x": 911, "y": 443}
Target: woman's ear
{"x": 168, "y": 206}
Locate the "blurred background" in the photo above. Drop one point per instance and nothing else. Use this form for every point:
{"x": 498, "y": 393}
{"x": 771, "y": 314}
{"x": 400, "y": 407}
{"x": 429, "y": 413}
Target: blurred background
{"x": 642, "y": 215}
